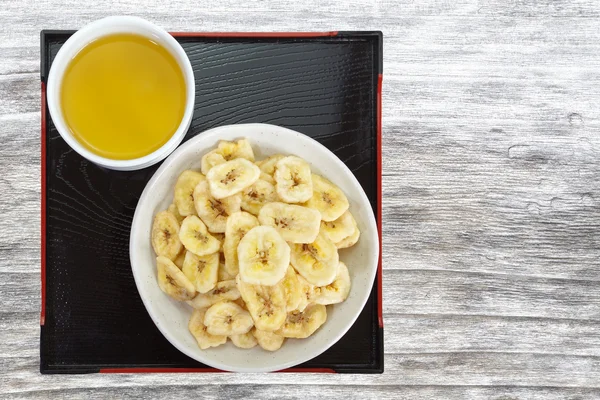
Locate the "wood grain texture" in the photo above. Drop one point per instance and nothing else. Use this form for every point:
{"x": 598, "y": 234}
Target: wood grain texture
{"x": 491, "y": 197}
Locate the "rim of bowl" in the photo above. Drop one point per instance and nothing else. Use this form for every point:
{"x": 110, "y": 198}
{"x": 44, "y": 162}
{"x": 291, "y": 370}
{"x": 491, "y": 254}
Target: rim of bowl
{"x": 371, "y": 223}
{"x": 80, "y": 39}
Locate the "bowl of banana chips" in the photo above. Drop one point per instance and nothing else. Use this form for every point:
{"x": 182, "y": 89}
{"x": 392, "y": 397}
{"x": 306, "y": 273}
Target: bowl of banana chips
{"x": 254, "y": 248}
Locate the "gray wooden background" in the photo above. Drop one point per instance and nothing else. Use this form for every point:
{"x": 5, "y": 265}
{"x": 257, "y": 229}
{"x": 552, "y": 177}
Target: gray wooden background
{"x": 491, "y": 197}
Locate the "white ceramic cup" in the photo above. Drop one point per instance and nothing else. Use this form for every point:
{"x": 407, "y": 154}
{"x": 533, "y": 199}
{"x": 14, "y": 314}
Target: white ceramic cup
{"x": 109, "y": 26}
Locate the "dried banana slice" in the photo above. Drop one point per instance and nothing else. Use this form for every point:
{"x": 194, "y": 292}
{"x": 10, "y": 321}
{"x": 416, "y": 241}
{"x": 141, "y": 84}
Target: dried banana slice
{"x": 307, "y": 293}
{"x": 296, "y": 224}
{"x": 266, "y": 304}
{"x": 236, "y": 228}
{"x": 165, "y": 235}
{"x": 184, "y": 188}
{"x": 223, "y": 291}
{"x": 294, "y": 181}
{"x": 337, "y": 291}
{"x": 292, "y": 288}
{"x": 172, "y": 281}
{"x": 238, "y": 149}
{"x": 211, "y": 159}
{"x": 350, "y": 240}
{"x": 263, "y": 256}
{"x": 327, "y": 198}
{"x": 301, "y": 325}
{"x": 232, "y": 177}
{"x": 269, "y": 164}
{"x": 227, "y": 318}
{"x": 244, "y": 340}
{"x": 214, "y": 212}
{"x": 197, "y": 328}
{"x": 256, "y": 196}
{"x": 339, "y": 229}
{"x": 195, "y": 237}
{"x": 202, "y": 271}
{"x": 317, "y": 262}
{"x": 268, "y": 340}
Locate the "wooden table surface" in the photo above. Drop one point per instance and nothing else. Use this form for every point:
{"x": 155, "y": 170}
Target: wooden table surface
{"x": 491, "y": 249}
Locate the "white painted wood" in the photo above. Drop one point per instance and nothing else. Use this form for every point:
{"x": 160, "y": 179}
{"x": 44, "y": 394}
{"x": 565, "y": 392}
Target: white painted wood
{"x": 491, "y": 197}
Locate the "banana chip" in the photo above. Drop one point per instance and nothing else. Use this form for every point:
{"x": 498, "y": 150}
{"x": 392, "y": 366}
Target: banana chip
{"x": 317, "y": 262}
{"x": 296, "y": 224}
{"x": 232, "y": 177}
{"x": 269, "y": 341}
{"x": 214, "y": 212}
{"x": 301, "y": 325}
{"x": 165, "y": 235}
{"x": 327, "y": 198}
{"x": 227, "y": 318}
{"x": 236, "y": 228}
{"x": 184, "y": 188}
{"x": 199, "y": 331}
{"x": 294, "y": 183}
{"x": 172, "y": 281}
{"x": 263, "y": 256}
{"x": 244, "y": 340}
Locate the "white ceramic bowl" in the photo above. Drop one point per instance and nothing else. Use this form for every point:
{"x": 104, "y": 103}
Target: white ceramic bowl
{"x": 104, "y": 27}
{"x": 171, "y": 317}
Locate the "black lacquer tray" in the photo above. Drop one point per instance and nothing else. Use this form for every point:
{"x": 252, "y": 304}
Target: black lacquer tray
{"x": 326, "y": 85}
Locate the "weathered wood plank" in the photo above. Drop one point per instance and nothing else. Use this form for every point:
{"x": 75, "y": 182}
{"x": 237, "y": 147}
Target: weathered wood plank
{"x": 428, "y": 333}
{"x": 477, "y": 368}
{"x": 324, "y": 391}
{"x": 510, "y": 204}
{"x": 435, "y": 291}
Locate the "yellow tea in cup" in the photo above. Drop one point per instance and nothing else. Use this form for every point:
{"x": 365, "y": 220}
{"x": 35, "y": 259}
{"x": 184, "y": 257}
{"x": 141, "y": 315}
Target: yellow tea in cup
{"x": 123, "y": 96}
